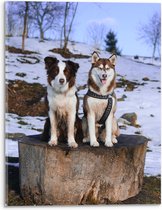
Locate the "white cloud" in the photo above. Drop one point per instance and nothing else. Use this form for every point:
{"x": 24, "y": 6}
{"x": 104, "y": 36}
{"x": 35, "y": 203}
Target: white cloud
{"x": 106, "y": 21}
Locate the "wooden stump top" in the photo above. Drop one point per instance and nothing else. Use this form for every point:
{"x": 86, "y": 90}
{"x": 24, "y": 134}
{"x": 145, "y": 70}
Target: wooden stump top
{"x": 127, "y": 141}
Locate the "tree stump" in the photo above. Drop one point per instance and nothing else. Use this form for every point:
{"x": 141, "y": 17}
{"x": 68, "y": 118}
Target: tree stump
{"x": 86, "y": 175}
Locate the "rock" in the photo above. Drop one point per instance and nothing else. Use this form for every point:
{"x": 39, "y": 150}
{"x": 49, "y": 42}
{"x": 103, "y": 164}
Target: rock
{"x": 86, "y": 175}
{"x": 122, "y": 121}
{"x": 123, "y": 127}
{"x": 20, "y": 74}
{"x": 136, "y": 57}
{"x": 138, "y": 132}
{"x": 127, "y": 84}
{"x": 15, "y": 85}
{"x": 28, "y": 59}
{"x": 145, "y": 79}
{"x": 130, "y": 117}
{"x": 14, "y": 136}
{"x": 122, "y": 98}
{"x": 82, "y": 87}
{"x": 129, "y": 87}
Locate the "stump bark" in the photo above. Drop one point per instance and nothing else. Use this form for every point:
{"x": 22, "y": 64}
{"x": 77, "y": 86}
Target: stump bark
{"x": 86, "y": 175}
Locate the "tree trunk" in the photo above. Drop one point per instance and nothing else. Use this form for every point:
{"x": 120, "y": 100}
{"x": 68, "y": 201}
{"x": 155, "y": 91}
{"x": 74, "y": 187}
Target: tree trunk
{"x": 41, "y": 34}
{"x": 155, "y": 46}
{"x": 65, "y": 25}
{"x": 25, "y": 25}
{"x": 154, "y": 49}
{"x": 65, "y": 45}
{"x": 86, "y": 175}
{"x": 67, "y": 30}
{"x": 61, "y": 34}
{"x": 72, "y": 20}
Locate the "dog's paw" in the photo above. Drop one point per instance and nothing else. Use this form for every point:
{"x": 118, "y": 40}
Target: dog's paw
{"x": 85, "y": 140}
{"x": 73, "y": 144}
{"x": 52, "y": 142}
{"x": 108, "y": 144}
{"x": 114, "y": 140}
{"x": 95, "y": 144}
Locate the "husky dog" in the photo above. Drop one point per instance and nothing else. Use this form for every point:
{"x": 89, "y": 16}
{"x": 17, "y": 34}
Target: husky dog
{"x": 100, "y": 103}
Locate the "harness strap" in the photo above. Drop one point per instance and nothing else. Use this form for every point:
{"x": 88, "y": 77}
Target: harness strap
{"x": 95, "y": 95}
{"x": 106, "y": 112}
{"x": 108, "y": 108}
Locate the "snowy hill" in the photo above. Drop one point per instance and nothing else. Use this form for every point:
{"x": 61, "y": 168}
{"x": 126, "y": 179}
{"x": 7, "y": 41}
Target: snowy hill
{"x": 143, "y": 99}
{"x": 146, "y": 60}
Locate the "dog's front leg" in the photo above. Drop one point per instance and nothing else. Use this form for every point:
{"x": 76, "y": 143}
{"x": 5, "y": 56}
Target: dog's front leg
{"x": 53, "y": 139}
{"x": 108, "y": 124}
{"x": 91, "y": 128}
{"x": 115, "y": 130}
{"x": 71, "y": 123}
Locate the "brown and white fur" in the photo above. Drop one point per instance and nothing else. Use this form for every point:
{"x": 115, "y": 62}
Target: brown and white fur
{"x": 62, "y": 100}
{"x": 102, "y": 82}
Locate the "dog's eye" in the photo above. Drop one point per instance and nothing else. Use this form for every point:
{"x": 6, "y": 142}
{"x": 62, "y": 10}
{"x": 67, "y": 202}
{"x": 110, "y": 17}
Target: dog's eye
{"x": 66, "y": 71}
{"x": 54, "y": 72}
{"x": 107, "y": 68}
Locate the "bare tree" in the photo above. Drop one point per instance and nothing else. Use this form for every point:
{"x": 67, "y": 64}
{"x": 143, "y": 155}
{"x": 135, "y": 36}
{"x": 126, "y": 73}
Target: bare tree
{"x": 69, "y": 15}
{"x": 14, "y": 18}
{"x": 24, "y": 34}
{"x": 96, "y": 33}
{"x": 46, "y": 16}
{"x": 9, "y": 19}
{"x": 151, "y": 32}
{"x": 15, "y": 14}
{"x": 22, "y": 12}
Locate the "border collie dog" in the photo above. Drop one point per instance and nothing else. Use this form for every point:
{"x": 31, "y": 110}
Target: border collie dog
{"x": 62, "y": 100}
{"x": 100, "y": 103}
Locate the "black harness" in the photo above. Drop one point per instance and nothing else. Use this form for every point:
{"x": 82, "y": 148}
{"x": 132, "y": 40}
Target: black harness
{"x": 108, "y": 108}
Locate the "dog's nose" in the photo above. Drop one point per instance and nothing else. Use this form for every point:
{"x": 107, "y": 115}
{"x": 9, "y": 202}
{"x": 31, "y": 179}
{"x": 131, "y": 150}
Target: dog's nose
{"x": 104, "y": 76}
{"x": 61, "y": 81}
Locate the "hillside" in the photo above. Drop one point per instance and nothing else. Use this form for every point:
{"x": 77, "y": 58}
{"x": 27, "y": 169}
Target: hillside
{"x": 138, "y": 90}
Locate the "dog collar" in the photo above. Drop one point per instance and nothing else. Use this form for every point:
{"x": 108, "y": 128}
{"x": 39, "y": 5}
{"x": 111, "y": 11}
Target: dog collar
{"x": 95, "y": 95}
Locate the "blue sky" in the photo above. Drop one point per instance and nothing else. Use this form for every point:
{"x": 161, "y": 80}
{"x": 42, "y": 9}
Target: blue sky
{"x": 122, "y": 18}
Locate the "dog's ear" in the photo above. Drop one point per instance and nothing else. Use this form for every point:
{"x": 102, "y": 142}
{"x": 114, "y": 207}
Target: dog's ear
{"x": 95, "y": 57}
{"x": 72, "y": 66}
{"x": 49, "y": 61}
{"x": 112, "y": 59}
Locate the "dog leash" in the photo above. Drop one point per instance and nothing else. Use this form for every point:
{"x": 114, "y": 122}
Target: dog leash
{"x": 108, "y": 108}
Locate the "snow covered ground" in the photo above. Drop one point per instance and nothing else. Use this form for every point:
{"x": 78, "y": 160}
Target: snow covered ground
{"x": 143, "y": 100}
{"x": 146, "y": 60}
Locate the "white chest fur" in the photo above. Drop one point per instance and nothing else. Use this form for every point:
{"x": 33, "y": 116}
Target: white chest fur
{"x": 97, "y": 106}
{"x": 62, "y": 102}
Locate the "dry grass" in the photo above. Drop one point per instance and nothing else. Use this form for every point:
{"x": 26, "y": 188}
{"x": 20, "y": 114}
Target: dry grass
{"x": 25, "y": 99}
